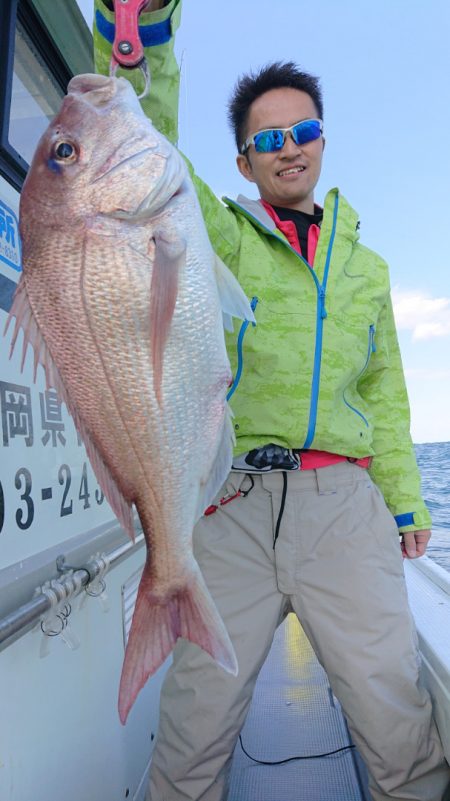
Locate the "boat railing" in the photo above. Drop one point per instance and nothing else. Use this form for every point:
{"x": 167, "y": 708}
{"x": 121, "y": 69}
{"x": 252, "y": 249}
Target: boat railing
{"x": 50, "y": 601}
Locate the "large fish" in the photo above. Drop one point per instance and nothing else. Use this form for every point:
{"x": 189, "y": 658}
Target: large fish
{"x": 122, "y": 299}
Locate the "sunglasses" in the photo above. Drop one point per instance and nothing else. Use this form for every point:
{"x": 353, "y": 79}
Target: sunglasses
{"x": 272, "y": 139}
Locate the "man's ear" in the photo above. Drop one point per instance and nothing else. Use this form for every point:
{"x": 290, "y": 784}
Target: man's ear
{"x": 244, "y": 167}
{"x": 323, "y": 143}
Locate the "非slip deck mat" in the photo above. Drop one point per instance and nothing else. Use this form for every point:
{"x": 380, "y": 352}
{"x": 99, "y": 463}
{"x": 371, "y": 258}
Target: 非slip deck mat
{"x": 294, "y": 713}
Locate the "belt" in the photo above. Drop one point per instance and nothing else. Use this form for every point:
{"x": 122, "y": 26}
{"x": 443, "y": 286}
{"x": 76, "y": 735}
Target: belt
{"x": 275, "y": 457}
{"x": 312, "y": 460}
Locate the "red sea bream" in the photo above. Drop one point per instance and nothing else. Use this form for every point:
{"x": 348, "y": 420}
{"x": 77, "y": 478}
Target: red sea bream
{"x": 122, "y": 299}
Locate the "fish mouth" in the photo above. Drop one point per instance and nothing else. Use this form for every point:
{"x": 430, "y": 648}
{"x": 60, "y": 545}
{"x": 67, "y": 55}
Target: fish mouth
{"x": 148, "y": 208}
{"x": 172, "y": 184}
{"x": 165, "y": 203}
{"x": 115, "y": 162}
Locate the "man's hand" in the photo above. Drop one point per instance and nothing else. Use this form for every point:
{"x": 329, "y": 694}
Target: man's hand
{"x": 414, "y": 543}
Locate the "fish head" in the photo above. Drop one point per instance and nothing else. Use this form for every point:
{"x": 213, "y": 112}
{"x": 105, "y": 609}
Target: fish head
{"x": 100, "y": 156}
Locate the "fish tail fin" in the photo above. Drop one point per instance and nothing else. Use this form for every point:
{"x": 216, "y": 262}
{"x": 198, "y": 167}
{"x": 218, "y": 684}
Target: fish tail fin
{"x": 157, "y": 623}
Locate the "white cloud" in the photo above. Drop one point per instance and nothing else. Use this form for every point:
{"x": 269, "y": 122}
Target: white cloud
{"x": 426, "y": 374}
{"x": 425, "y": 316}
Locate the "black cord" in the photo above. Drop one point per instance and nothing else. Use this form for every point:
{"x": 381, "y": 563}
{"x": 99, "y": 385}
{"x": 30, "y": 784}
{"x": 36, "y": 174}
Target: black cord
{"x": 244, "y": 493}
{"x": 292, "y": 759}
{"x": 280, "y": 513}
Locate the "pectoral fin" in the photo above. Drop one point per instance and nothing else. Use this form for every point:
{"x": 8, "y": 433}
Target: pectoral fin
{"x": 232, "y": 297}
{"x": 170, "y": 255}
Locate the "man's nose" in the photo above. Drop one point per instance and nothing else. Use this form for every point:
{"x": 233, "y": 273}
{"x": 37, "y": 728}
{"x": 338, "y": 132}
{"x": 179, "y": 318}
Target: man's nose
{"x": 290, "y": 148}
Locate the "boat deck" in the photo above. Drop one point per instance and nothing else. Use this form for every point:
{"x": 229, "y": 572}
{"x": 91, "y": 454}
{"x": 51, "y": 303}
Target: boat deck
{"x": 294, "y": 714}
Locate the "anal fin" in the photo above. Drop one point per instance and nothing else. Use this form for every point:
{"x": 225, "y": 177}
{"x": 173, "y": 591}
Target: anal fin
{"x": 221, "y": 466}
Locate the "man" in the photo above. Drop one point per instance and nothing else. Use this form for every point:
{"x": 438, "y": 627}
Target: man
{"x": 320, "y": 404}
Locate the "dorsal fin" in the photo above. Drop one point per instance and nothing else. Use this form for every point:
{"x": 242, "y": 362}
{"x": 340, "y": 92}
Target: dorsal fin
{"x": 26, "y": 322}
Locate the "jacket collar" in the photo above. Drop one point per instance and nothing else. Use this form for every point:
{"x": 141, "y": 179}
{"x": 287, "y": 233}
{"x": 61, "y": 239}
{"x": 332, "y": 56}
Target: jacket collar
{"x": 347, "y": 224}
{"x": 255, "y": 209}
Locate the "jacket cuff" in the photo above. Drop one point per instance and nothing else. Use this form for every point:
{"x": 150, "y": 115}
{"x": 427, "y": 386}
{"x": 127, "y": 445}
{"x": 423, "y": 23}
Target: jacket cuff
{"x": 155, "y": 27}
{"x": 413, "y": 521}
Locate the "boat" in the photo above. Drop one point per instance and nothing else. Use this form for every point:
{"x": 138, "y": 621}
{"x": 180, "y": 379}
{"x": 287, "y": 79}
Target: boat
{"x": 69, "y": 573}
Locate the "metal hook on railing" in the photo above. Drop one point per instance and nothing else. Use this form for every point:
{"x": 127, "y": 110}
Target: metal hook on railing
{"x": 96, "y": 588}
{"x": 60, "y": 610}
{"x": 48, "y": 632}
{"x": 100, "y": 587}
{"x": 63, "y": 567}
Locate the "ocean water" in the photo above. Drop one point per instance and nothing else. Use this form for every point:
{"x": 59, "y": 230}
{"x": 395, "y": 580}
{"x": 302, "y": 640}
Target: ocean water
{"x": 434, "y": 463}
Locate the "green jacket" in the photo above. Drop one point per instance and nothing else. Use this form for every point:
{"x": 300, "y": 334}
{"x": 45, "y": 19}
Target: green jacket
{"x": 322, "y": 367}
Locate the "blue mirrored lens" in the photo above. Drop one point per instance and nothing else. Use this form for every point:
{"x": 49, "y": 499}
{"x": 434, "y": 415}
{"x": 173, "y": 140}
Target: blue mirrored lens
{"x": 267, "y": 141}
{"x": 271, "y": 140}
{"x": 306, "y": 131}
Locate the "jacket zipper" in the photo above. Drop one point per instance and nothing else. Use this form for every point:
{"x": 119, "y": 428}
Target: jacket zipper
{"x": 321, "y": 310}
{"x": 240, "y": 353}
{"x": 321, "y": 315}
{"x": 371, "y": 349}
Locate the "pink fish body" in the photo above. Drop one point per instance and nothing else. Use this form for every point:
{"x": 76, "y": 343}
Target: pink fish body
{"x": 122, "y": 298}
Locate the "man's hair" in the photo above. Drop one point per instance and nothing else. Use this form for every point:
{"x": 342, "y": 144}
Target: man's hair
{"x": 273, "y": 76}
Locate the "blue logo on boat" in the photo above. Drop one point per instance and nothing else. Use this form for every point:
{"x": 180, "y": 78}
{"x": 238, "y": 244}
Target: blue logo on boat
{"x": 10, "y": 249}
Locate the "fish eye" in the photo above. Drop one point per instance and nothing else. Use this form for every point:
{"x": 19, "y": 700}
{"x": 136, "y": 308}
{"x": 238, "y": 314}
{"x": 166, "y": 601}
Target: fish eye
{"x": 65, "y": 151}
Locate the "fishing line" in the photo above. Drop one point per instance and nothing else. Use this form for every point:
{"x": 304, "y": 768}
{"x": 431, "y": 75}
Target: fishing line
{"x": 184, "y": 84}
{"x": 293, "y": 758}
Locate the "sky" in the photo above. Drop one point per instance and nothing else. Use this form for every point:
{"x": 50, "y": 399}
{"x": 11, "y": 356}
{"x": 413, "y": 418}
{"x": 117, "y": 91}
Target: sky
{"x": 385, "y": 70}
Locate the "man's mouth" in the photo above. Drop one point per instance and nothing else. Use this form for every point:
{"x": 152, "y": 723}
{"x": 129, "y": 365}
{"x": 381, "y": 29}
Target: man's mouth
{"x": 291, "y": 171}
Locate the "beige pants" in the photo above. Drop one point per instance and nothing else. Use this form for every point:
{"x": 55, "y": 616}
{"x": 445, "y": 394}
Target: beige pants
{"x": 337, "y": 563}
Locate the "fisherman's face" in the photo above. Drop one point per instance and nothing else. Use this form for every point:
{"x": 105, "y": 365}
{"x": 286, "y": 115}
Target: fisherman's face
{"x": 288, "y": 176}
